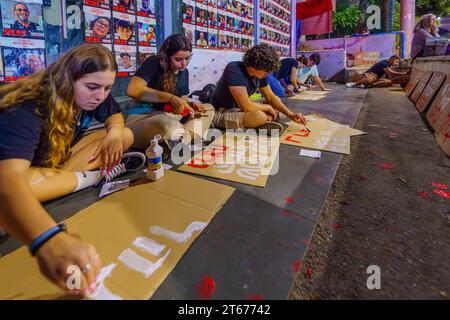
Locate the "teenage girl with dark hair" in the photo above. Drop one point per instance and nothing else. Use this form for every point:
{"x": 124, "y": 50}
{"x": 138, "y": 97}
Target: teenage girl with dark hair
{"x": 163, "y": 82}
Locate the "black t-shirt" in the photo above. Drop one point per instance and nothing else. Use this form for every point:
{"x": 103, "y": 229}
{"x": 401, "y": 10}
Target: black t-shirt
{"x": 234, "y": 75}
{"x": 152, "y": 73}
{"x": 286, "y": 68}
{"x": 378, "y": 68}
{"x": 23, "y": 134}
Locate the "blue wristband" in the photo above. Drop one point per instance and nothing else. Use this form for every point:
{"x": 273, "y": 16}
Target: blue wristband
{"x": 47, "y": 235}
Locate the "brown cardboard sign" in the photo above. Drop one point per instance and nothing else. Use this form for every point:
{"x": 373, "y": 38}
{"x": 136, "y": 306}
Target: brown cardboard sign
{"x": 310, "y": 95}
{"x": 355, "y": 132}
{"x": 440, "y": 105}
{"x": 442, "y": 133}
{"x": 325, "y": 135}
{"x": 140, "y": 233}
{"x": 415, "y": 77}
{"x": 238, "y": 157}
{"x": 430, "y": 91}
{"x": 421, "y": 86}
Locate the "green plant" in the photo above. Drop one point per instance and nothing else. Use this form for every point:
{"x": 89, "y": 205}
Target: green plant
{"x": 347, "y": 18}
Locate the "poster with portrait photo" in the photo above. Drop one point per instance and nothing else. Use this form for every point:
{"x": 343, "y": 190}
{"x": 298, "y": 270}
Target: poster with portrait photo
{"x": 213, "y": 38}
{"x": 126, "y": 60}
{"x": 230, "y": 40}
{"x": 22, "y": 18}
{"x": 223, "y": 44}
{"x": 189, "y": 32}
{"x": 104, "y": 4}
{"x": 237, "y": 41}
{"x": 188, "y": 9}
{"x": 146, "y": 31}
{"x": 221, "y": 20}
{"x": 22, "y": 57}
{"x": 124, "y": 6}
{"x": 222, "y": 5}
{"x": 201, "y": 15}
{"x": 212, "y": 18}
{"x": 230, "y": 22}
{"x": 213, "y": 3}
{"x": 145, "y": 8}
{"x": 245, "y": 43}
{"x": 145, "y": 52}
{"x": 97, "y": 25}
{"x": 201, "y": 37}
{"x": 2, "y": 73}
{"x": 124, "y": 28}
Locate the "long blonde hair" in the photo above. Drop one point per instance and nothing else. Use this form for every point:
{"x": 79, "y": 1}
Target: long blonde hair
{"x": 424, "y": 22}
{"x": 53, "y": 90}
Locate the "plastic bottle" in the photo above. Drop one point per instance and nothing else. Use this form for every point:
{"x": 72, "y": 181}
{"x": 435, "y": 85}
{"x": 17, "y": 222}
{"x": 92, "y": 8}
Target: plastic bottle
{"x": 155, "y": 169}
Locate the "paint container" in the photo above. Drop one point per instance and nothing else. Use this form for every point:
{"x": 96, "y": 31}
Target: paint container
{"x": 155, "y": 169}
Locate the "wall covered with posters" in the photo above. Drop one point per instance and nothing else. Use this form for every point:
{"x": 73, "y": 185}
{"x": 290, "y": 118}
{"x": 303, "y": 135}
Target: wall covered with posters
{"x": 35, "y": 33}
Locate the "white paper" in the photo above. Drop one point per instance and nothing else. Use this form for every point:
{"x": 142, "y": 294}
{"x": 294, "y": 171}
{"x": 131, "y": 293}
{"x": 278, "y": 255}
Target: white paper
{"x": 112, "y": 187}
{"x": 310, "y": 153}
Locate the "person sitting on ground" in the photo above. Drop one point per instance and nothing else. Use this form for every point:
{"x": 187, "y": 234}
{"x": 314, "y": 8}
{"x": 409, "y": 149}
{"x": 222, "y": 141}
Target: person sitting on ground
{"x": 163, "y": 80}
{"x": 45, "y": 154}
{"x": 372, "y": 78}
{"x": 240, "y": 80}
{"x": 425, "y": 29}
{"x": 284, "y": 81}
{"x": 308, "y": 70}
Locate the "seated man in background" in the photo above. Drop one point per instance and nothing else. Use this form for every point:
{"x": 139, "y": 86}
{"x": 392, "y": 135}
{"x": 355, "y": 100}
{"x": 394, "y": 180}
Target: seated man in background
{"x": 241, "y": 79}
{"x": 308, "y": 69}
{"x": 284, "y": 81}
{"x": 372, "y": 78}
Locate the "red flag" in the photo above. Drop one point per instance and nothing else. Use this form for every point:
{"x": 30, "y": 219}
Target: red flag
{"x": 311, "y": 8}
{"x": 320, "y": 24}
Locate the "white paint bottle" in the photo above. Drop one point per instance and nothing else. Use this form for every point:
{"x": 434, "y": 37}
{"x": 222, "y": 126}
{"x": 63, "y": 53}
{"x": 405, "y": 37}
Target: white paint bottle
{"x": 155, "y": 169}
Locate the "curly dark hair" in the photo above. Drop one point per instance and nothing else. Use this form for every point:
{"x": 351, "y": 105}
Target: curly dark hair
{"x": 262, "y": 57}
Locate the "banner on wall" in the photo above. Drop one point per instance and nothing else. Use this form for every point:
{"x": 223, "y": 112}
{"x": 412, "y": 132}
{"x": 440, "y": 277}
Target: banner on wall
{"x": 22, "y": 19}
{"x": 126, "y": 60}
{"x": 97, "y": 24}
{"x": 145, "y": 8}
{"x": 124, "y": 6}
{"x": 2, "y": 74}
{"x": 146, "y": 31}
{"x": 124, "y": 29}
{"x": 104, "y": 4}
{"x": 275, "y": 25}
{"x": 22, "y": 57}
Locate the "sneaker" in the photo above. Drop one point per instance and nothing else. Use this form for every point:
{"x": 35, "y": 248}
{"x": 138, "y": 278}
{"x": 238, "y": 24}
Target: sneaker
{"x": 269, "y": 126}
{"x": 362, "y": 86}
{"x": 350, "y": 84}
{"x": 131, "y": 162}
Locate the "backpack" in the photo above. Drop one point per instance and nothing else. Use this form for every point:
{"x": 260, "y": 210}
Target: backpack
{"x": 205, "y": 95}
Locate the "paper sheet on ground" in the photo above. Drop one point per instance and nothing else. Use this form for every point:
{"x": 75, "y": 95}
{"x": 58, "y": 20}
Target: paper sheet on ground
{"x": 241, "y": 158}
{"x": 310, "y": 95}
{"x": 325, "y": 135}
{"x": 113, "y": 226}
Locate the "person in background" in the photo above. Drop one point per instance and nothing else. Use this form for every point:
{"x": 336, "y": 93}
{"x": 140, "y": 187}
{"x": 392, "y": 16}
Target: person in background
{"x": 373, "y": 78}
{"x": 308, "y": 69}
{"x": 284, "y": 81}
{"x": 426, "y": 28}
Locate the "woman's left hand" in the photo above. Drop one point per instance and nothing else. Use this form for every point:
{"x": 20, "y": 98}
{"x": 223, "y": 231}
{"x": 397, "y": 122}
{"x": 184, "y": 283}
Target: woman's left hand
{"x": 110, "y": 149}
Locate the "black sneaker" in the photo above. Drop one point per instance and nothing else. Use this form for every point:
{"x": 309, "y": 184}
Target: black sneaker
{"x": 270, "y": 126}
{"x": 131, "y": 162}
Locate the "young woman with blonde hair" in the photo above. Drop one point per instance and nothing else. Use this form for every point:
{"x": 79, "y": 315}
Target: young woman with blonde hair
{"x": 45, "y": 153}
{"x": 426, "y": 28}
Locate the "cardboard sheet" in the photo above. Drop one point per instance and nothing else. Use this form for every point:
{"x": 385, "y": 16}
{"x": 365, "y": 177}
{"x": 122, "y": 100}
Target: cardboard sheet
{"x": 440, "y": 105}
{"x": 113, "y": 224}
{"x": 242, "y": 158}
{"x": 414, "y": 79}
{"x": 430, "y": 91}
{"x": 325, "y": 135}
{"x": 421, "y": 86}
{"x": 310, "y": 95}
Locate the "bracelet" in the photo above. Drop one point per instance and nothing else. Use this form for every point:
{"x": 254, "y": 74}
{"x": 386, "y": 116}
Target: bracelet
{"x": 46, "y": 236}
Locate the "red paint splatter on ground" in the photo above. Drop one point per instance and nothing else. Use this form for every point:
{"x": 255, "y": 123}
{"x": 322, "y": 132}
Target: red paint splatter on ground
{"x": 289, "y": 200}
{"x": 425, "y": 195}
{"x": 256, "y": 297}
{"x": 392, "y": 135}
{"x": 387, "y": 166}
{"x": 361, "y": 178}
{"x": 309, "y": 272}
{"x": 320, "y": 181}
{"x": 206, "y": 287}
{"x": 439, "y": 185}
{"x": 285, "y": 213}
{"x": 297, "y": 265}
{"x": 301, "y": 195}
{"x": 337, "y": 226}
{"x": 442, "y": 193}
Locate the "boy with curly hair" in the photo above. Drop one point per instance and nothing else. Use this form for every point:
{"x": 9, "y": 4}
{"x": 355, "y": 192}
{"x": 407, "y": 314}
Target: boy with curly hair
{"x": 241, "y": 79}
